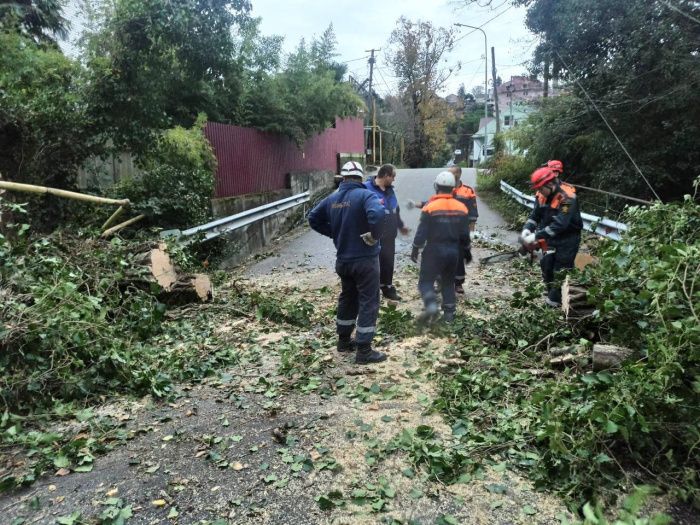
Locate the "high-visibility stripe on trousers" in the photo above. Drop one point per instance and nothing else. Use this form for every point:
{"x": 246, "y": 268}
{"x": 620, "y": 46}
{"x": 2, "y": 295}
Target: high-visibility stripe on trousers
{"x": 358, "y": 302}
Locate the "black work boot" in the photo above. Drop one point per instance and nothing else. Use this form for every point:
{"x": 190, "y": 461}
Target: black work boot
{"x": 428, "y": 315}
{"x": 459, "y": 288}
{"x": 389, "y": 292}
{"x": 365, "y": 355}
{"x": 346, "y": 344}
{"x": 448, "y": 317}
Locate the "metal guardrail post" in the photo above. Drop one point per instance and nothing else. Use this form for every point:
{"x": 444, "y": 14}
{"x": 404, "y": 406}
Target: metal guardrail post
{"x": 598, "y": 225}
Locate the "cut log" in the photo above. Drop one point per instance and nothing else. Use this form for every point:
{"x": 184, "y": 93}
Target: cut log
{"x": 161, "y": 268}
{"x": 189, "y": 289}
{"x": 610, "y": 356}
{"x": 174, "y": 288}
{"x": 561, "y": 361}
{"x": 574, "y": 300}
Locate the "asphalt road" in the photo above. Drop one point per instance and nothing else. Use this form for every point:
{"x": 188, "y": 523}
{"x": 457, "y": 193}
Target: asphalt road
{"x": 308, "y": 249}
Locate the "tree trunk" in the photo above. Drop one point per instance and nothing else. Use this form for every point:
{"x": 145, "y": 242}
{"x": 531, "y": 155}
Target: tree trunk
{"x": 175, "y": 289}
{"x": 574, "y": 301}
{"x": 160, "y": 267}
{"x": 195, "y": 288}
{"x": 609, "y": 356}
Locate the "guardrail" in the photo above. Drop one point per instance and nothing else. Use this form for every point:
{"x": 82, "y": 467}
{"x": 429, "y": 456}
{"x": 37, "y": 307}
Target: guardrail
{"x": 598, "y": 225}
{"x": 218, "y": 227}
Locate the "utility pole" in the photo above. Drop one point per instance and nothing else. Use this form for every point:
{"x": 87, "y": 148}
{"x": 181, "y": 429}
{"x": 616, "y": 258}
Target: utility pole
{"x": 495, "y": 89}
{"x": 370, "y": 101}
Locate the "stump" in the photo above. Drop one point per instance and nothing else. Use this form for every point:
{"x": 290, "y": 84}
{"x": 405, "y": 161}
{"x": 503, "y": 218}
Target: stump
{"x": 606, "y": 357}
{"x": 574, "y": 300}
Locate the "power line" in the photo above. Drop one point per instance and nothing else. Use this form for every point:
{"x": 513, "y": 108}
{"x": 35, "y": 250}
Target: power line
{"x": 482, "y": 25}
{"x": 385, "y": 83}
{"x": 355, "y": 59}
{"x": 608, "y": 125}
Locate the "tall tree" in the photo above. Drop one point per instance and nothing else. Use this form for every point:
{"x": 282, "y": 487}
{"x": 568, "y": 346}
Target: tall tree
{"x": 415, "y": 54}
{"x": 40, "y": 20}
{"x": 156, "y": 63}
{"x": 638, "y": 61}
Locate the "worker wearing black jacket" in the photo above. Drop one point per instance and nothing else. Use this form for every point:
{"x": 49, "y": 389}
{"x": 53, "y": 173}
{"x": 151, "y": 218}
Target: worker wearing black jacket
{"x": 555, "y": 224}
{"x": 443, "y": 234}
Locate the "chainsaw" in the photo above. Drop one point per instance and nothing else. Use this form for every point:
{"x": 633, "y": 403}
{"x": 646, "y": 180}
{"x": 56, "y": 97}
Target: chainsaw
{"x": 535, "y": 250}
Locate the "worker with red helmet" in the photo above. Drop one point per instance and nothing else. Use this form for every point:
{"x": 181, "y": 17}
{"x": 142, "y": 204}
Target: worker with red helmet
{"x": 554, "y": 224}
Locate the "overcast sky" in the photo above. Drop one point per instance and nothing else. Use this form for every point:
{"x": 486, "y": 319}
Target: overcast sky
{"x": 364, "y": 24}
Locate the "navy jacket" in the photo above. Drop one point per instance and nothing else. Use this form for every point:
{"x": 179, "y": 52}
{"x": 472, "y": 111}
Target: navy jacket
{"x": 444, "y": 220}
{"x": 387, "y": 197}
{"x": 347, "y": 214}
{"x": 556, "y": 218}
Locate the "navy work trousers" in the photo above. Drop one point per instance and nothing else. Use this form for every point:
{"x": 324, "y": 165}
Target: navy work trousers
{"x": 386, "y": 261}
{"x": 358, "y": 302}
{"x": 562, "y": 259}
{"x": 461, "y": 269}
{"x": 439, "y": 261}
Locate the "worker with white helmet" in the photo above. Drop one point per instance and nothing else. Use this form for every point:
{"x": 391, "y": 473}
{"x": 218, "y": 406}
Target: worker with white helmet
{"x": 443, "y": 234}
{"x": 353, "y": 217}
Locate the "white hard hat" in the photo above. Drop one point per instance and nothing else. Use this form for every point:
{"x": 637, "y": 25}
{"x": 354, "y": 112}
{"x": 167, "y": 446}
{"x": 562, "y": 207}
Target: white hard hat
{"x": 446, "y": 179}
{"x": 352, "y": 169}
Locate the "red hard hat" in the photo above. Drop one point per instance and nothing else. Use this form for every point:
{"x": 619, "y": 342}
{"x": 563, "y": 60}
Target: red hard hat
{"x": 556, "y": 165}
{"x": 542, "y": 176}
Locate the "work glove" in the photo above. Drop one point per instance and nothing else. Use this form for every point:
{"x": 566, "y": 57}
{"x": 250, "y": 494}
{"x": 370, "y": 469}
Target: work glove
{"x": 414, "y": 254}
{"x": 468, "y": 255}
{"x": 410, "y": 204}
{"x": 527, "y": 237}
{"x": 368, "y": 239}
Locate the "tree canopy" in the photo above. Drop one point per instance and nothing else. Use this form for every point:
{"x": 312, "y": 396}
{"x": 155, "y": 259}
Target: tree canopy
{"x": 639, "y": 62}
{"x": 415, "y": 54}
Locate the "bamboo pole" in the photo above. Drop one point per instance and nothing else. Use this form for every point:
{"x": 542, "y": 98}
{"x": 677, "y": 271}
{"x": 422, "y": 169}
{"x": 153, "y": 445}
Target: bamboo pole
{"x": 124, "y": 224}
{"x": 43, "y": 190}
{"x": 113, "y": 217}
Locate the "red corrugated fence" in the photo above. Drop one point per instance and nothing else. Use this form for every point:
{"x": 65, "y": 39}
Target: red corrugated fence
{"x": 253, "y": 161}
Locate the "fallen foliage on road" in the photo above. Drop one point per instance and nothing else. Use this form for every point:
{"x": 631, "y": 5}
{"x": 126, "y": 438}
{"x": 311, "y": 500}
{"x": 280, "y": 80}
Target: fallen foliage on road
{"x": 240, "y": 410}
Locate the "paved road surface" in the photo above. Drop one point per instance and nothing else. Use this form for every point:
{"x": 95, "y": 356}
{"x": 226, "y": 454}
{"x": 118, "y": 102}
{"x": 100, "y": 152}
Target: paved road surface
{"x": 309, "y": 249}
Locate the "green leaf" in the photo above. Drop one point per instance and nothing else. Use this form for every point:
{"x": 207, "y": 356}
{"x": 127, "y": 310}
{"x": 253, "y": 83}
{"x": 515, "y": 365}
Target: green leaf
{"x": 496, "y": 488}
{"x": 61, "y": 461}
{"x": 590, "y": 515}
{"x": 69, "y": 520}
{"x": 529, "y": 510}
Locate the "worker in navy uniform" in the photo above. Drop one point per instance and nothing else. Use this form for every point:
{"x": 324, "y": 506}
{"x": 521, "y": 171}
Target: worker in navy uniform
{"x": 382, "y": 186}
{"x": 555, "y": 225}
{"x": 353, "y": 217}
{"x": 443, "y": 235}
{"x": 467, "y": 196}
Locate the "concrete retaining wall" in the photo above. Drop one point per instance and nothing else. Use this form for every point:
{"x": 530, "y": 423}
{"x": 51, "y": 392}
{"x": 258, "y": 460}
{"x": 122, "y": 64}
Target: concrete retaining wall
{"x": 253, "y": 238}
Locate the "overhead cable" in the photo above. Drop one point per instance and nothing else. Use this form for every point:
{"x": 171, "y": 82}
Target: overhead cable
{"x": 608, "y": 125}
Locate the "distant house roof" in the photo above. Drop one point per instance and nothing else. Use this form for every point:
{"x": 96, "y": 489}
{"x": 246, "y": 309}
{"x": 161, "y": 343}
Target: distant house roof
{"x": 453, "y": 100}
{"x": 485, "y": 123}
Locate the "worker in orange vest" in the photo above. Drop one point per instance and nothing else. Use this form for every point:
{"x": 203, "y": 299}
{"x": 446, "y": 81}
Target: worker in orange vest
{"x": 554, "y": 225}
